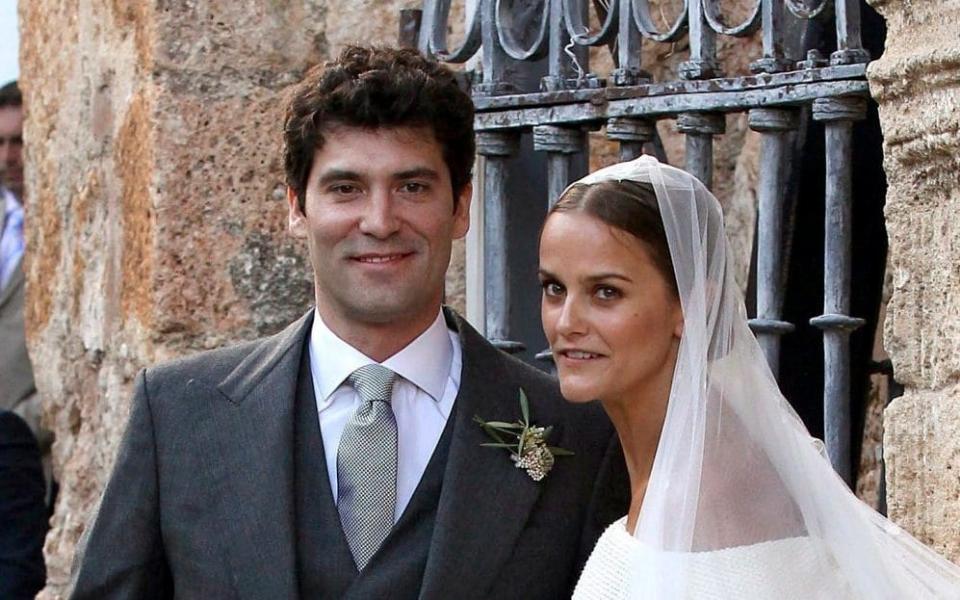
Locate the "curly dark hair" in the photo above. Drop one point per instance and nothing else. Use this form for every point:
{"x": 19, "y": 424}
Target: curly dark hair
{"x": 378, "y": 87}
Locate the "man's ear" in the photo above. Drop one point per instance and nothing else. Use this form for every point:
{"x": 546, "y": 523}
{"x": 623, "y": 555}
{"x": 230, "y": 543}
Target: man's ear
{"x": 296, "y": 220}
{"x": 461, "y": 215}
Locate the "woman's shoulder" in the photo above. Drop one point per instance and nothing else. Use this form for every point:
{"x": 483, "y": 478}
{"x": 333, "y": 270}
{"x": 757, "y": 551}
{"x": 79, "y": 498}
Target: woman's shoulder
{"x": 604, "y": 575}
{"x": 797, "y": 567}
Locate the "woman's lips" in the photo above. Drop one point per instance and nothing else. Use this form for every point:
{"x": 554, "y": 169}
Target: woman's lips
{"x": 576, "y": 355}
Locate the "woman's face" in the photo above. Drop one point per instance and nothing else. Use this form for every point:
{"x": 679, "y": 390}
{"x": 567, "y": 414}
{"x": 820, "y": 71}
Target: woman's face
{"x": 612, "y": 320}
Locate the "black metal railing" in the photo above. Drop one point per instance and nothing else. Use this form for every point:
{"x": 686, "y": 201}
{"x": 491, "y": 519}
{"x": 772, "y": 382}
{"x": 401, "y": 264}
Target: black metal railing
{"x": 572, "y": 100}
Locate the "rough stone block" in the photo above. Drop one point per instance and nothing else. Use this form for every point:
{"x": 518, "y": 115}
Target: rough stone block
{"x": 922, "y": 453}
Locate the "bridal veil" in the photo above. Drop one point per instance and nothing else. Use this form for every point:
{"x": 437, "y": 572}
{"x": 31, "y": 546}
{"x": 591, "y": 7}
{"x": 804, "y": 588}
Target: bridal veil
{"x": 735, "y": 467}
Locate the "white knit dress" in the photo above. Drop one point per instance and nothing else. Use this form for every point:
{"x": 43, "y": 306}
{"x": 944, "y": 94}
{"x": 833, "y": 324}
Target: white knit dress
{"x": 793, "y": 568}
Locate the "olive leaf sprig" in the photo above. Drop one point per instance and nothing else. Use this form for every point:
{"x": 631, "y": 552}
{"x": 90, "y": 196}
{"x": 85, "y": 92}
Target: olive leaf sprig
{"x": 530, "y": 450}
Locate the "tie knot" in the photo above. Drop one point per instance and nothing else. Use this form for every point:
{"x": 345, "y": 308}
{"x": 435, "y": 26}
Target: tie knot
{"x": 373, "y": 382}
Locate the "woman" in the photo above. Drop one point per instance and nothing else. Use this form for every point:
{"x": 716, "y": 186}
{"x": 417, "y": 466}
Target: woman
{"x": 731, "y": 497}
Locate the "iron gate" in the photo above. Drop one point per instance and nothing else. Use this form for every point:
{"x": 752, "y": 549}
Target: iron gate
{"x": 628, "y": 105}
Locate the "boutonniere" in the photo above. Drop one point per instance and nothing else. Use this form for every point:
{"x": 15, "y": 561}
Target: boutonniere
{"x": 527, "y": 443}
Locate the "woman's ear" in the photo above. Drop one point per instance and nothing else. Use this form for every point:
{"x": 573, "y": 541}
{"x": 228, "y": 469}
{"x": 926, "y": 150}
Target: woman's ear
{"x": 678, "y": 321}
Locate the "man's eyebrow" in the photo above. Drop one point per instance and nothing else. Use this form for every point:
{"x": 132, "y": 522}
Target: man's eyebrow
{"x": 338, "y": 175}
{"x": 417, "y": 172}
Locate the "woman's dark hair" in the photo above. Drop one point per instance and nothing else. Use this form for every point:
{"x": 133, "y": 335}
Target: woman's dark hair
{"x": 629, "y": 206}
{"x": 378, "y": 87}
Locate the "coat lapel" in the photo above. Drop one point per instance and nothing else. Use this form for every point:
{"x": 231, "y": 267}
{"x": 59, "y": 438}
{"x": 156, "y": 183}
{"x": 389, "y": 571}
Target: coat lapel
{"x": 251, "y": 448}
{"x": 485, "y": 499}
{"x": 16, "y": 280}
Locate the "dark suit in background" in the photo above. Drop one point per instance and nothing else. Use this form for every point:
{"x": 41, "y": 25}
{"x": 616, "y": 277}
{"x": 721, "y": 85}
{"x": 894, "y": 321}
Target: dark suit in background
{"x": 23, "y": 514}
{"x": 220, "y": 490}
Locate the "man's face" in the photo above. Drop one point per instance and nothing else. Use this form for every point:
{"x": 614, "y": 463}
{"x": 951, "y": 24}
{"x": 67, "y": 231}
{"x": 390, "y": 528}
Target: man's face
{"x": 11, "y": 146}
{"x": 379, "y": 220}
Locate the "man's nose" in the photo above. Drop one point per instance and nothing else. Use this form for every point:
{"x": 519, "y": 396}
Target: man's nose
{"x": 379, "y": 218}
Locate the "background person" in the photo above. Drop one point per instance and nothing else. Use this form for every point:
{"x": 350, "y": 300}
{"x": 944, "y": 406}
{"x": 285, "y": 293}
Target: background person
{"x": 23, "y": 514}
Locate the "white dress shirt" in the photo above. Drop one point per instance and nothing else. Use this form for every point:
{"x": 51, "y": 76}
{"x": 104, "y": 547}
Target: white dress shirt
{"x": 11, "y": 235}
{"x": 428, "y": 379}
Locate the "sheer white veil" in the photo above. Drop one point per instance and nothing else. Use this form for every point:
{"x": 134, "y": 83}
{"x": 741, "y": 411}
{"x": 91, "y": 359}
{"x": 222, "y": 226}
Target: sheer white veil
{"x": 735, "y": 466}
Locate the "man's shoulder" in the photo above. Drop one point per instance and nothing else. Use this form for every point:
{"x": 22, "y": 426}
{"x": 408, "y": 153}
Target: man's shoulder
{"x": 209, "y": 368}
{"x": 14, "y": 428}
{"x": 208, "y": 365}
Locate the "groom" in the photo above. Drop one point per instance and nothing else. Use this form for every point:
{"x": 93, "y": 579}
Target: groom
{"x": 339, "y": 458}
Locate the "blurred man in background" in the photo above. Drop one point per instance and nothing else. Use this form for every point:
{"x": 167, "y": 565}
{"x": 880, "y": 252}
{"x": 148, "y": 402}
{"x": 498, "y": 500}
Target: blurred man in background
{"x": 17, "y": 391}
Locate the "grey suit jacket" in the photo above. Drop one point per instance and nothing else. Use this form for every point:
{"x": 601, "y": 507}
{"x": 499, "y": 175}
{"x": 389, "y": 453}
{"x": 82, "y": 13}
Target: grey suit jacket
{"x": 16, "y": 374}
{"x": 201, "y": 503}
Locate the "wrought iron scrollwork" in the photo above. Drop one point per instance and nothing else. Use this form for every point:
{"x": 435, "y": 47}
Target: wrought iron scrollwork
{"x": 505, "y": 31}
{"x": 801, "y": 11}
{"x": 649, "y": 30}
{"x": 438, "y": 12}
{"x": 573, "y": 11}
{"x": 747, "y": 27}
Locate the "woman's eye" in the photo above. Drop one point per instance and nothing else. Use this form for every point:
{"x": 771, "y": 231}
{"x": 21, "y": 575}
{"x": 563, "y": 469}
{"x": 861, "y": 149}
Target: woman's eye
{"x": 552, "y": 288}
{"x": 605, "y": 292}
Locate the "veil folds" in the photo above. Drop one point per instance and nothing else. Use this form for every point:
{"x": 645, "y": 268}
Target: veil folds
{"x": 735, "y": 467}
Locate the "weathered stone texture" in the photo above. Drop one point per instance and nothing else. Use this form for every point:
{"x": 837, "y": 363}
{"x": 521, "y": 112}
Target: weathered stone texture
{"x": 156, "y": 221}
{"x": 922, "y": 454}
{"x": 917, "y": 85}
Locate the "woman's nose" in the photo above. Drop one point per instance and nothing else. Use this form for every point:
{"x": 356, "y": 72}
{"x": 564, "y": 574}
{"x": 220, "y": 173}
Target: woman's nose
{"x": 570, "y": 321}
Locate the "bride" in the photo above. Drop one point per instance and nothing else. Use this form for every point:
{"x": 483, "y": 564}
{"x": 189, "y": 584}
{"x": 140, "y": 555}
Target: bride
{"x": 731, "y": 496}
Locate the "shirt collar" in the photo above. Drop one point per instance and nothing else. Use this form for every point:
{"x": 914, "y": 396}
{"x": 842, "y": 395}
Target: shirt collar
{"x": 425, "y": 361}
{"x": 10, "y": 202}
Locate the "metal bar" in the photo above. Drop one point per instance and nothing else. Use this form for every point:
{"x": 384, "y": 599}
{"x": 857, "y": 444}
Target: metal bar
{"x": 495, "y": 62}
{"x": 496, "y": 148}
{"x": 699, "y": 129}
{"x": 849, "y": 47}
{"x": 774, "y": 59}
{"x": 733, "y": 84}
{"x": 560, "y": 143}
{"x": 427, "y": 25}
{"x": 632, "y": 135}
{"x": 629, "y": 67}
{"x": 768, "y": 327}
{"x": 558, "y": 176}
{"x": 703, "y": 45}
{"x": 409, "y": 34}
{"x": 558, "y": 69}
{"x": 699, "y": 157}
{"x": 667, "y": 105}
{"x": 566, "y": 71}
{"x": 838, "y": 115}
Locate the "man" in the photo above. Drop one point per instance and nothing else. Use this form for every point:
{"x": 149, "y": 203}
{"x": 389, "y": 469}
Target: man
{"x": 340, "y": 458}
{"x": 23, "y": 515}
{"x": 17, "y": 390}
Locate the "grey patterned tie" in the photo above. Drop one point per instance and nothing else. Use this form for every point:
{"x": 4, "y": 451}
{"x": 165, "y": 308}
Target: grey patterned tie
{"x": 367, "y": 465}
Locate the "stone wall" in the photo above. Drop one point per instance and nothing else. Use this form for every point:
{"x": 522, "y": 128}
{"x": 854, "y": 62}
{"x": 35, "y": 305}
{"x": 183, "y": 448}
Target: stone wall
{"x": 156, "y": 225}
{"x": 917, "y": 85}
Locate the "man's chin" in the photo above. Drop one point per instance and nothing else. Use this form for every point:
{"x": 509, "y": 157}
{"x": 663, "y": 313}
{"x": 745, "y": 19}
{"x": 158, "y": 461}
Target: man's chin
{"x": 387, "y": 313}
